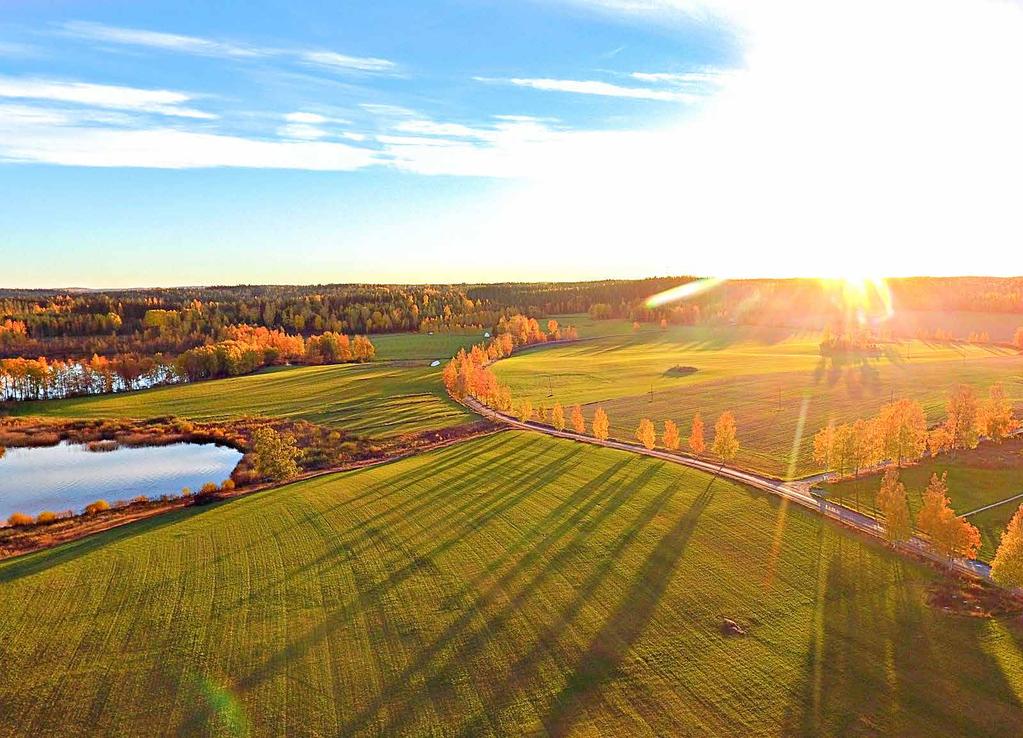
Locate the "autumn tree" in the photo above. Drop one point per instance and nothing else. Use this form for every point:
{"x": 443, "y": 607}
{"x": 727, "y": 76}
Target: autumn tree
{"x": 578, "y": 419}
{"x": 600, "y": 424}
{"x": 894, "y": 507}
{"x": 726, "y": 444}
{"x": 865, "y": 444}
{"x": 671, "y": 438}
{"x": 824, "y": 447}
{"x": 950, "y": 535}
{"x": 938, "y": 440}
{"x": 902, "y": 430}
{"x": 996, "y": 419}
{"x": 558, "y": 417}
{"x": 645, "y": 433}
{"x": 961, "y": 419}
{"x": 696, "y": 443}
{"x": 275, "y": 455}
{"x": 1007, "y": 566}
{"x": 525, "y": 410}
{"x": 541, "y": 414}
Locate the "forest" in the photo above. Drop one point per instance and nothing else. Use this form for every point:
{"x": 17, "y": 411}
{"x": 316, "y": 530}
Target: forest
{"x": 72, "y": 324}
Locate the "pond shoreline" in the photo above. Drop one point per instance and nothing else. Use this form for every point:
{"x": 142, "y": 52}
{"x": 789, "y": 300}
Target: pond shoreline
{"x": 22, "y": 540}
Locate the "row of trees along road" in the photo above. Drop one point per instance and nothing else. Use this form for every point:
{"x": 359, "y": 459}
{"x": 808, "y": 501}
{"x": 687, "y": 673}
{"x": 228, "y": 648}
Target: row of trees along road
{"x": 899, "y": 432}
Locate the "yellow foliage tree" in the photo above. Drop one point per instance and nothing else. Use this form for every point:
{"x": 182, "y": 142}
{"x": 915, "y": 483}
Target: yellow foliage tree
{"x": 726, "y": 443}
{"x": 600, "y": 424}
{"x": 578, "y": 420}
{"x": 950, "y": 535}
{"x": 671, "y": 437}
{"x": 696, "y": 443}
{"x": 525, "y": 410}
{"x": 645, "y": 433}
{"x": 558, "y": 417}
{"x": 1007, "y": 567}
{"x": 891, "y": 501}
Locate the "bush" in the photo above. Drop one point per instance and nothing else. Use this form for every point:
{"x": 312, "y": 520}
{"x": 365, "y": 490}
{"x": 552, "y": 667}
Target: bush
{"x": 17, "y": 520}
{"x": 186, "y": 492}
{"x": 208, "y": 489}
{"x": 46, "y": 517}
{"x": 97, "y": 507}
{"x": 227, "y": 485}
{"x": 139, "y": 500}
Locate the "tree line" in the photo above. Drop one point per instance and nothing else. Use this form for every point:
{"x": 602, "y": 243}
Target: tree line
{"x": 245, "y": 349}
{"x": 899, "y": 432}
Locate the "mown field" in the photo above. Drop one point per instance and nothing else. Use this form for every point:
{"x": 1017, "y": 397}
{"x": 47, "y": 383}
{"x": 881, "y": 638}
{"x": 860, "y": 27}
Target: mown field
{"x": 423, "y": 346}
{"x": 510, "y": 585}
{"x": 370, "y": 399}
{"x": 769, "y": 378}
{"x": 977, "y": 478}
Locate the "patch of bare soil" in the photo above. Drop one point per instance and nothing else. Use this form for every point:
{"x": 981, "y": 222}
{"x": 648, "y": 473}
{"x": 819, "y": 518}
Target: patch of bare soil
{"x": 973, "y": 598}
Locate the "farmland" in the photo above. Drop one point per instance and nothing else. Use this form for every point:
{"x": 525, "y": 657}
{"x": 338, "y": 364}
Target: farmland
{"x": 769, "y": 377}
{"x": 510, "y": 585}
{"x": 976, "y": 478}
{"x": 423, "y": 346}
{"x": 375, "y": 400}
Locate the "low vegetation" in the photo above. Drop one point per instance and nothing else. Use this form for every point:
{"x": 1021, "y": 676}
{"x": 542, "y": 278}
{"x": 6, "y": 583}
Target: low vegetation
{"x": 515, "y": 584}
{"x": 372, "y": 400}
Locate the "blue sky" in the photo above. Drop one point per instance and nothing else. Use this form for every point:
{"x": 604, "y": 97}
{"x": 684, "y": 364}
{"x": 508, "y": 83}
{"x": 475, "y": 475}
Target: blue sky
{"x": 183, "y": 143}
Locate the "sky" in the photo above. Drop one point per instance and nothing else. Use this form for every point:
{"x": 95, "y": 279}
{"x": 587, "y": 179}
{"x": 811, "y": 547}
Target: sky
{"x": 185, "y": 143}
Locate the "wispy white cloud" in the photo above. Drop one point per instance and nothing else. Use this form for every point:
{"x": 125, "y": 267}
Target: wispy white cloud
{"x": 46, "y": 139}
{"x": 683, "y": 79}
{"x": 162, "y": 102}
{"x": 342, "y": 62}
{"x": 200, "y": 46}
{"x": 595, "y": 87}
{"x": 300, "y": 116}
{"x": 160, "y": 40}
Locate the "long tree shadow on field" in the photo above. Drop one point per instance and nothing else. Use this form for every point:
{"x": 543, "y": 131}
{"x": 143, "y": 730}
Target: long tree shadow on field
{"x": 471, "y": 639}
{"x": 881, "y": 661}
{"x": 40, "y": 561}
{"x": 475, "y": 510}
{"x": 385, "y": 490}
{"x": 625, "y": 625}
{"x": 371, "y": 594}
{"x": 525, "y": 668}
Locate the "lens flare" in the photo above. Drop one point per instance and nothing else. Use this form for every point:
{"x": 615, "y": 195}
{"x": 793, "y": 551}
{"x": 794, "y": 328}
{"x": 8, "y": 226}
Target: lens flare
{"x": 683, "y": 291}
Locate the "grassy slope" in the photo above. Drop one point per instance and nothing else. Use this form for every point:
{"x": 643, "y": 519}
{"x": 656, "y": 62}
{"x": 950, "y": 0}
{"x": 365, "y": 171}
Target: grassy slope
{"x": 975, "y": 478}
{"x": 763, "y": 375}
{"x": 423, "y": 346}
{"x": 371, "y": 399}
{"x": 514, "y": 584}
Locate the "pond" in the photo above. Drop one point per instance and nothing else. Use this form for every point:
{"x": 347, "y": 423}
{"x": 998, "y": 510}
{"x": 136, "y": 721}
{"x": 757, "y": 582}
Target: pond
{"x": 69, "y": 476}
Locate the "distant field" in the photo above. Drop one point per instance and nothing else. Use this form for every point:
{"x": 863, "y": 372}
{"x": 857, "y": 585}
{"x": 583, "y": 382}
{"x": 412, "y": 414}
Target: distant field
{"x": 764, "y": 375}
{"x": 423, "y": 346}
{"x": 370, "y": 399}
{"x": 507, "y": 586}
{"x": 976, "y": 478}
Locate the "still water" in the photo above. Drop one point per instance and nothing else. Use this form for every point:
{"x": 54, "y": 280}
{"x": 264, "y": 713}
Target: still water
{"x": 69, "y": 476}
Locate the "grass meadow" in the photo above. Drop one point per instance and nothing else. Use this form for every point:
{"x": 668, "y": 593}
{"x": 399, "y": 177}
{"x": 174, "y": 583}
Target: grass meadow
{"x": 987, "y": 474}
{"x": 510, "y": 585}
{"x": 774, "y": 380}
{"x": 423, "y": 346}
{"x": 374, "y": 400}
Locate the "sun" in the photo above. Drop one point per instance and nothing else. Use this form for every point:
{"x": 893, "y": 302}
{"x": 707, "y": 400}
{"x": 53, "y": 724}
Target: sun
{"x": 864, "y": 298}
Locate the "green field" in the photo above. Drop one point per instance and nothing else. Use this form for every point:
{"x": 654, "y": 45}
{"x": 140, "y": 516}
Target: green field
{"x": 511, "y": 585}
{"x": 370, "y": 399}
{"x": 976, "y": 478}
{"x": 423, "y": 346}
{"x": 768, "y": 377}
